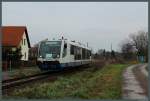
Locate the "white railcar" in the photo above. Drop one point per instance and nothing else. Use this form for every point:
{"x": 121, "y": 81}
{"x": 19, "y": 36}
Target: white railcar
{"x": 60, "y": 54}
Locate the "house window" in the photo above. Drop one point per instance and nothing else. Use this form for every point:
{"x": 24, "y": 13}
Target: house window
{"x": 24, "y": 41}
{"x": 25, "y": 55}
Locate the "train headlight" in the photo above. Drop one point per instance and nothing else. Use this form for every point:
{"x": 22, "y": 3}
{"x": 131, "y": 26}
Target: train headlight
{"x": 40, "y": 56}
{"x": 57, "y": 56}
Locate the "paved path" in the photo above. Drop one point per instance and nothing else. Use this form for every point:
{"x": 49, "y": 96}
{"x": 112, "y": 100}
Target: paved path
{"x": 131, "y": 87}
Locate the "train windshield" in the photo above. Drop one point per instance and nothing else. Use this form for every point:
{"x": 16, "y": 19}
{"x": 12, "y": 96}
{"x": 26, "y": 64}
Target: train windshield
{"x": 50, "y": 49}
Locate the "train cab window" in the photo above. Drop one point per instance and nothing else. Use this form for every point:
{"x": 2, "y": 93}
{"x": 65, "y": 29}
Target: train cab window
{"x": 49, "y": 49}
{"x": 65, "y": 50}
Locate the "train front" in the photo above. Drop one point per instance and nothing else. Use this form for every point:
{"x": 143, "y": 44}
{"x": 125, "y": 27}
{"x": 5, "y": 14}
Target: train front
{"x": 49, "y": 55}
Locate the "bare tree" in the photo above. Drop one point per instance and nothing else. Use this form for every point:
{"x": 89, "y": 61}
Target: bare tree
{"x": 140, "y": 41}
{"x": 136, "y": 44}
{"x": 127, "y": 51}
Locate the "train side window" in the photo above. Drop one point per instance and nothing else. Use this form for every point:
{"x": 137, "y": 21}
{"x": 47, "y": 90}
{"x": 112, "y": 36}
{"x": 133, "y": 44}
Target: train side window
{"x": 65, "y": 45}
{"x": 87, "y": 54}
{"x": 77, "y": 53}
{"x": 83, "y": 53}
{"x": 65, "y": 50}
{"x": 72, "y": 49}
{"x": 90, "y": 53}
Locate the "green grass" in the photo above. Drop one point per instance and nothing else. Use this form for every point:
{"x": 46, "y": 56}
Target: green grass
{"x": 102, "y": 83}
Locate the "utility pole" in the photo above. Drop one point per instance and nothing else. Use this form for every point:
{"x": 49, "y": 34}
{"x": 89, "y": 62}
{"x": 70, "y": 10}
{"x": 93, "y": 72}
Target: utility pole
{"x": 9, "y": 61}
{"x": 111, "y": 46}
{"x": 111, "y": 51}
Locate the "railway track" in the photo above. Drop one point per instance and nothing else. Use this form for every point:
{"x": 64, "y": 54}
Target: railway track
{"x": 16, "y": 82}
{"x": 6, "y": 84}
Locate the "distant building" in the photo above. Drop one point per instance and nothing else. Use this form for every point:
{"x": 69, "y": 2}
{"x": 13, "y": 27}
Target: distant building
{"x": 14, "y": 37}
{"x": 33, "y": 53}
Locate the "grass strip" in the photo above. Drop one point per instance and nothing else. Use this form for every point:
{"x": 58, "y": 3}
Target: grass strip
{"x": 105, "y": 83}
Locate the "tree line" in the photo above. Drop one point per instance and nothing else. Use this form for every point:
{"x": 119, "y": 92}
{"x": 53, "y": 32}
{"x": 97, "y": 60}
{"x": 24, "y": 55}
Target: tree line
{"x": 135, "y": 47}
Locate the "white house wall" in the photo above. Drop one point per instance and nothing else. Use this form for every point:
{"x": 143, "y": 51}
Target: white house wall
{"x": 24, "y": 48}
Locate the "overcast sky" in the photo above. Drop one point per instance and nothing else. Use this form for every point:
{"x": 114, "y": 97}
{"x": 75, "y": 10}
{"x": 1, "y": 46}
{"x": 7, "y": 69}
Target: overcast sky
{"x": 98, "y": 23}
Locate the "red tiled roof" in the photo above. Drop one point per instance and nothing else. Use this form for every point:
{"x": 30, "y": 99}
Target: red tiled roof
{"x": 12, "y": 35}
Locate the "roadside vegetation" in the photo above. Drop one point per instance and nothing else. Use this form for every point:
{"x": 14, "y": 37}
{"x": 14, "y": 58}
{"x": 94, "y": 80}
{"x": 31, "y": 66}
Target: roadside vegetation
{"x": 91, "y": 83}
{"x": 19, "y": 73}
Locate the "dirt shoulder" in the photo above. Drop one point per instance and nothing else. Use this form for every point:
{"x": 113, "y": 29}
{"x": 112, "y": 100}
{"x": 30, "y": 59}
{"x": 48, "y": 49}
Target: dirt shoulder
{"x": 142, "y": 78}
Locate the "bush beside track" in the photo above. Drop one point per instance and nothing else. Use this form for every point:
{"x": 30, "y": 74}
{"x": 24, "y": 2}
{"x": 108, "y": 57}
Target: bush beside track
{"x": 91, "y": 83}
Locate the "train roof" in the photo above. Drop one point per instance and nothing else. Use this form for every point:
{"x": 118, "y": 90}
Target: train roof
{"x": 78, "y": 44}
{"x": 73, "y": 43}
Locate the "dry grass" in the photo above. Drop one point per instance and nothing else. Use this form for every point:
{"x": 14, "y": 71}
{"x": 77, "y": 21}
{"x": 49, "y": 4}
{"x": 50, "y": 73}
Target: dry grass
{"x": 18, "y": 73}
{"x": 99, "y": 83}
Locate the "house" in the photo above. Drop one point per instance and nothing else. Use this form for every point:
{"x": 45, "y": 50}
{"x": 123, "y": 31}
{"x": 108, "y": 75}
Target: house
{"x": 15, "y": 37}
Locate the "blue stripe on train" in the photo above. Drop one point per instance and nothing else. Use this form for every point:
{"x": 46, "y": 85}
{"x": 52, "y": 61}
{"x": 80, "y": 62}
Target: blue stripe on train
{"x": 60, "y": 66}
{"x": 50, "y": 67}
